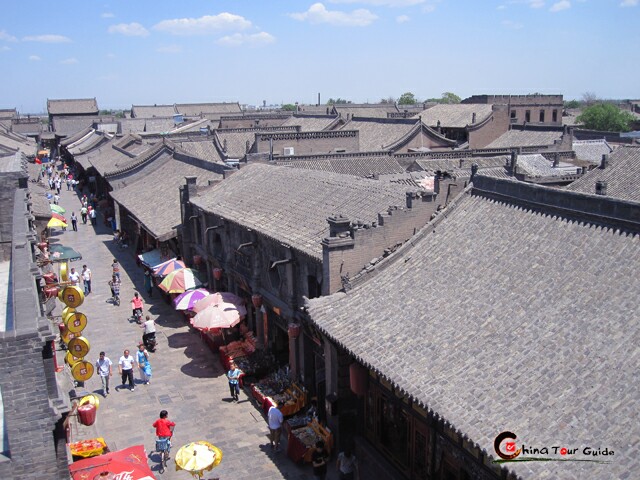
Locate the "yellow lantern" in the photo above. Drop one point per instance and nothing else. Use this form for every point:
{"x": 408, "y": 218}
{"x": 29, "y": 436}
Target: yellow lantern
{"x": 72, "y": 296}
{"x": 82, "y": 371}
{"x": 70, "y": 359}
{"x": 64, "y": 271}
{"x": 76, "y": 322}
{"x": 79, "y": 347}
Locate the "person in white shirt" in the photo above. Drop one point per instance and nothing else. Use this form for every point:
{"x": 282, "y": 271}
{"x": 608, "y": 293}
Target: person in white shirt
{"x": 86, "y": 278}
{"x": 74, "y": 277}
{"x": 149, "y": 327}
{"x": 103, "y": 366}
{"x": 275, "y": 420}
{"x": 125, "y": 367}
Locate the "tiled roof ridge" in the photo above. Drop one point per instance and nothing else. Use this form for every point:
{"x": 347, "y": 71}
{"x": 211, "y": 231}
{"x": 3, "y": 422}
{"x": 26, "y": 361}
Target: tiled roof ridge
{"x": 76, "y": 136}
{"x": 87, "y": 133}
{"x": 126, "y": 141}
{"x": 419, "y": 126}
{"x": 257, "y": 116}
{"x": 337, "y": 155}
{"x": 139, "y": 160}
{"x": 393, "y": 121}
{"x": 292, "y": 128}
{"x": 480, "y": 123}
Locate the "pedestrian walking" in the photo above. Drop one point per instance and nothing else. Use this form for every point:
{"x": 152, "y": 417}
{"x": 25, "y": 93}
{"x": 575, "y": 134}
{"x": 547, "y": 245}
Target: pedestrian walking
{"x": 93, "y": 217}
{"x": 103, "y": 366}
{"x": 51, "y": 184}
{"x": 56, "y": 198}
{"x": 58, "y": 185}
{"x": 74, "y": 221}
{"x": 115, "y": 267}
{"x": 148, "y": 283}
{"x": 347, "y": 465}
{"x": 86, "y": 279}
{"x": 83, "y": 214}
{"x": 74, "y": 277}
{"x": 319, "y": 459}
{"x": 125, "y": 367}
{"x": 234, "y": 380}
{"x": 114, "y": 283}
{"x": 275, "y": 420}
{"x": 68, "y": 184}
{"x": 142, "y": 358}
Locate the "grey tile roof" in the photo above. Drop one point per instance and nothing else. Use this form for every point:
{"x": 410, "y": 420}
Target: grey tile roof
{"x": 535, "y": 165}
{"x": 503, "y": 318}
{"x": 310, "y": 123}
{"x": 111, "y": 156}
{"x": 65, "y": 126}
{"x": 622, "y": 175}
{"x": 205, "y": 150}
{"x": 39, "y": 203}
{"x": 11, "y": 142}
{"x": 72, "y": 106}
{"x": 88, "y": 142}
{"x": 297, "y": 215}
{"x": 237, "y": 140}
{"x": 150, "y": 111}
{"x": 365, "y": 110}
{"x": 197, "y": 109}
{"x": 458, "y": 167}
{"x": 8, "y": 113}
{"x": 379, "y": 134}
{"x": 146, "y": 125}
{"x": 454, "y": 115}
{"x": 160, "y": 185}
{"x": 360, "y": 166}
{"x": 525, "y": 138}
{"x": 315, "y": 109}
{"x": 591, "y": 150}
{"x": 27, "y": 128}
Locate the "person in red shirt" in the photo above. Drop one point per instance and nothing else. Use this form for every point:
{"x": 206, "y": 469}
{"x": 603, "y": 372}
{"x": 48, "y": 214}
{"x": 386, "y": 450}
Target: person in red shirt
{"x": 164, "y": 426}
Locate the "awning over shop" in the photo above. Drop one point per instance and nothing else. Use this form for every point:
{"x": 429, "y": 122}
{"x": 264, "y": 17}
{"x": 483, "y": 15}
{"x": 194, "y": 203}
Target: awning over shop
{"x": 60, "y": 253}
{"x": 153, "y": 258}
{"x": 129, "y": 463}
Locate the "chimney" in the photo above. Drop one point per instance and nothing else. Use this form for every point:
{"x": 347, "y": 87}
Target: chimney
{"x": 605, "y": 161}
{"x": 556, "y": 160}
{"x": 474, "y": 170}
{"x": 318, "y": 98}
{"x": 191, "y": 186}
{"x": 473, "y": 118}
{"x": 338, "y": 225}
{"x": 461, "y": 162}
{"x": 601, "y": 187}
{"x": 514, "y": 159}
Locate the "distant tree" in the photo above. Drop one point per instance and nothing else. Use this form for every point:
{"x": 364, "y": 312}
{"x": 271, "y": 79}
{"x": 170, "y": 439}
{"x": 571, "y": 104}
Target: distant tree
{"x": 589, "y": 98}
{"x": 289, "y": 107}
{"x": 572, "y": 104}
{"x": 606, "y": 117}
{"x": 448, "y": 97}
{"x": 388, "y": 101}
{"x": 337, "y": 101}
{"x": 407, "y": 98}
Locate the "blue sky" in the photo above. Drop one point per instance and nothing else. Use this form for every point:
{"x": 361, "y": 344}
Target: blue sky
{"x": 126, "y": 52}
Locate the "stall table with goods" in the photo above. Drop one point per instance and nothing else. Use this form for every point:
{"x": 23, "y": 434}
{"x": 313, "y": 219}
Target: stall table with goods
{"x": 88, "y": 448}
{"x": 278, "y": 387}
{"x": 301, "y": 441}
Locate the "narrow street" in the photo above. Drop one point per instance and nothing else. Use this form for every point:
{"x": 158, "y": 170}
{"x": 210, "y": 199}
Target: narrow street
{"x": 188, "y": 379}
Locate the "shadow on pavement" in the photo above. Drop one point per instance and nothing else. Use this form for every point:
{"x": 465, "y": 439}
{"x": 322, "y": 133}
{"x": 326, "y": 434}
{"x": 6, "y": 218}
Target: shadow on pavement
{"x": 201, "y": 364}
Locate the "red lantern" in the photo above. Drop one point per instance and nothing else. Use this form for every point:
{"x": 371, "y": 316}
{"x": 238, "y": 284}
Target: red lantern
{"x": 51, "y": 291}
{"x": 217, "y": 273}
{"x": 359, "y": 377}
{"x": 256, "y": 299}
{"x": 294, "y": 330}
{"x": 197, "y": 260}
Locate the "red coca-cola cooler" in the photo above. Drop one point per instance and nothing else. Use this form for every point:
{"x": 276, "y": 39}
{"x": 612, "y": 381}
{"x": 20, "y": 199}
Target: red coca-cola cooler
{"x": 87, "y": 414}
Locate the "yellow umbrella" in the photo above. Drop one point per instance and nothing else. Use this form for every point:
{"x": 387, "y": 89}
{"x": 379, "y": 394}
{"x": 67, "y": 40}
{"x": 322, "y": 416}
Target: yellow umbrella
{"x": 196, "y": 457}
{"x": 56, "y": 222}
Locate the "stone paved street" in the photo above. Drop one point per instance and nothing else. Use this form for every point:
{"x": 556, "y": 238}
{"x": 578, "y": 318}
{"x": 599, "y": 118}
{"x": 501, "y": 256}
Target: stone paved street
{"x": 188, "y": 379}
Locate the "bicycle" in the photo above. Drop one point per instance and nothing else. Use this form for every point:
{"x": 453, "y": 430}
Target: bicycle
{"x": 163, "y": 446}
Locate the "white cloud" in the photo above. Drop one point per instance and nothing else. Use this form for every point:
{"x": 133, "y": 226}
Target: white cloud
{"x": 383, "y": 3}
{"x": 511, "y": 25}
{"x": 111, "y": 55}
{"x": 4, "y": 48}
{"x": 46, "y": 38}
{"x": 205, "y": 25}
{"x": 6, "y": 37}
{"x": 317, "y": 13}
{"x": 536, "y": 3}
{"x": 252, "y": 40}
{"x": 169, "y": 49}
{"x": 428, "y": 8}
{"x": 501, "y": 7}
{"x": 69, "y": 61}
{"x": 402, "y": 18}
{"x": 561, "y": 5}
{"x": 107, "y": 15}
{"x": 629, "y": 3}
{"x": 129, "y": 29}
{"x": 110, "y": 77}
{"x": 34, "y": 58}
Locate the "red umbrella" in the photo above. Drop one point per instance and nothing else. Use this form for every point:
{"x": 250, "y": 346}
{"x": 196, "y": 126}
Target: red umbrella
{"x": 130, "y": 463}
{"x": 58, "y": 216}
{"x": 167, "y": 267}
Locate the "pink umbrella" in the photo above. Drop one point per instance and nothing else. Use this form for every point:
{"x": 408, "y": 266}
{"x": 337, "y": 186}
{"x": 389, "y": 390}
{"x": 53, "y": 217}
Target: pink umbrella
{"x": 225, "y": 300}
{"x": 167, "y": 267}
{"x": 215, "y": 317}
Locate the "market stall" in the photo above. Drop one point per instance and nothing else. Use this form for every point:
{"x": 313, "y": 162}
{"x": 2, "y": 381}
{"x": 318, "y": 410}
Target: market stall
{"x": 278, "y": 387}
{"x": 130, "y": 463}
{"x": 301, "y": 441}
